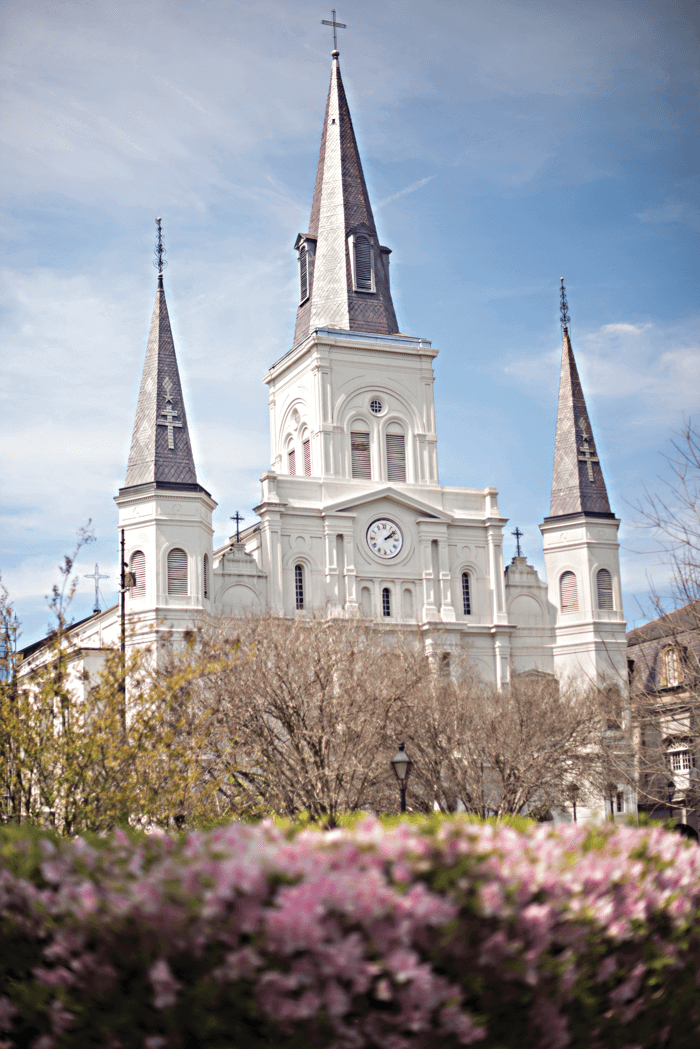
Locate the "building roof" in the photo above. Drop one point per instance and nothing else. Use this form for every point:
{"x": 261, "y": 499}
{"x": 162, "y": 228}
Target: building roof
{"x": 340, "y": 208}
{"x": 578, "y": 486}
{"x": 161, "y": 452}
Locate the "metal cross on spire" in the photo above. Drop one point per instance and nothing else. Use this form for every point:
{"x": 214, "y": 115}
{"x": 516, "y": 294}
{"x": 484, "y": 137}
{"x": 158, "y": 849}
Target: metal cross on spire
{"x": 239, "y": 517}
{"x": 159, "y": 262}
{"x": 336, "y": 25}
{"x": 564, "y": 317}
{"x": 96, "y": 576}
{"x": 518, "y": 536}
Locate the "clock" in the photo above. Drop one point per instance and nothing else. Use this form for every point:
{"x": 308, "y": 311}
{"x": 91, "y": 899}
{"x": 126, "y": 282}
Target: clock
{"x": 384, "y": 538}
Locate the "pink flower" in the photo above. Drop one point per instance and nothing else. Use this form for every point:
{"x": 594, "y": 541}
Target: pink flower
{"x": 164, "y": 984}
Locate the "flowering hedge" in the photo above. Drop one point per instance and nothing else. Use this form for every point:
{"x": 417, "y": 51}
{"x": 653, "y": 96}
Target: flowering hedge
{"x": 438, "y": 935}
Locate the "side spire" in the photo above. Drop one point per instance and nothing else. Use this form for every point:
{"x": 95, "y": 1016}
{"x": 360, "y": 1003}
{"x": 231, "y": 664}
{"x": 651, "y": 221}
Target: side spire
{"x": 344, "y": 270}
{"x": 578, "y": 486}
{"x": 160, "y": 445}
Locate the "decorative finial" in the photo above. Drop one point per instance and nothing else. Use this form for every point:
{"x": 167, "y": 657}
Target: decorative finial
{"x": 564, "y": 308}
{"x": 518, "y": 536}
{"x": 237, "y": 517}
{"x": 336, "y": 25}
{"x": 159, "y": 262}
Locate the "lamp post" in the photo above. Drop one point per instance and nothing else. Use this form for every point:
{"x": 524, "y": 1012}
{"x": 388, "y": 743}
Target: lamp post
{"x": 402, "y": 765}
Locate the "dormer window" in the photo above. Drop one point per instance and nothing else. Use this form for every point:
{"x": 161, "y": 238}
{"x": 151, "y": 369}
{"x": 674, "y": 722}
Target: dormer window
{"x": 362, "y": 259}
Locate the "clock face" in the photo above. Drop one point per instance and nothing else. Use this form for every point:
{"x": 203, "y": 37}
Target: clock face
{"x": 384, "y": 538}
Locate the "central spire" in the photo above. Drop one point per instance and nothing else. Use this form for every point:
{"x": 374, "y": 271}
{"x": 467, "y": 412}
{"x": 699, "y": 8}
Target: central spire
{"x": 344, "y": 271}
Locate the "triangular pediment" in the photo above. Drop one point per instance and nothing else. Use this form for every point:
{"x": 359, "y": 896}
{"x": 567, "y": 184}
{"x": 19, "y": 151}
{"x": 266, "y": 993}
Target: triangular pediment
{"x": 393, "y": 495}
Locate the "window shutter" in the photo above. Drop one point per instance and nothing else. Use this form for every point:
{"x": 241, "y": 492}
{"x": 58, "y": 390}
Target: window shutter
{"x": 299, "y": 586}
{"x": 395, "y": 457}
{"x": 605, "y": 594}
{"x": 359, "y": 452}
{"x": 303, "y": 274}
{"x": 568, "y": 592}
{"x": 177, "y": 572}
{"x": 386, "y": 601}
{"x": 307, "y": 457}
{"x": 363, "y": 264}
{"x": 138, "y": 567}
{"x": 466, "y": 596}
{"x": 292, "y": 459}
{"x": 205, "y": 571}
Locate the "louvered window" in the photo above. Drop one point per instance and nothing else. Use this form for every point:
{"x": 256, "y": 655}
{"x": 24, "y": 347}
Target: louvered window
{"x": 303, "y": 274}
{"x": 307, "y": 457}
{"x": 205, "y": 573}
{"x": 605, "y": 593}
{"x": 359, "y": 449}
{"x": 568, "y": 592}
{"x": 177, "y": 571}
{"x": 292, "y": 461}
{"x": 298, "y": 586}
{"x": 386, "y": 601}
{"x": 395, "y": 457}
{"x": 138, "y": 568}
{"x": 466, "y": 595}
{"x": 363, "y": 264}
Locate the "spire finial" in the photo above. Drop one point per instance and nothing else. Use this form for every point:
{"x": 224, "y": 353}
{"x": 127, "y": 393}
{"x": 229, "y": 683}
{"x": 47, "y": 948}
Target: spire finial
{"x": 564, "y": 308}
{"x": 336, "y": 25}
{"x": 159, "y": 262}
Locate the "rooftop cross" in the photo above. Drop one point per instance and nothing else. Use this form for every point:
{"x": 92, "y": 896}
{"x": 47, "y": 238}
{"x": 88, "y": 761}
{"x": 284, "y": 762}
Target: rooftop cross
{"x": 518, "y": 536}
{"x": 159, "y": 262}
{"x": 96, "y": 576}
{"x": 336, "y": 25}
{"x": 169, "y": 414}
{"x": 564, "y": 317}
{"x": 239, "y": 517}
{"x": 587, "y": 456}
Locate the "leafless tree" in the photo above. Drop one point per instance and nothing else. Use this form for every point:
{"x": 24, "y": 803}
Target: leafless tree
{"x": 311, "y": 705}
{"x": 515, "y": 750}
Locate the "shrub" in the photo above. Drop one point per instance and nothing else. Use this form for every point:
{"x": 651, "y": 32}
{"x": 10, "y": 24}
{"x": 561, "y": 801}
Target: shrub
{"x": 438, "y": 934}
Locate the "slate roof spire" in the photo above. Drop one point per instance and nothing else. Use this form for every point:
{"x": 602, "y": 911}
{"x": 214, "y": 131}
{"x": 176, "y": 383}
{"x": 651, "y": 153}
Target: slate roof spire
{"x": 331, "y": 291}
{"x": 160, "y": 445}
{"x": 578, "y": 486}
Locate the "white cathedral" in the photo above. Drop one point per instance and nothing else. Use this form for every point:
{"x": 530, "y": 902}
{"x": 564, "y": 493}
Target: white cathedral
{"x": 353, "y": 519}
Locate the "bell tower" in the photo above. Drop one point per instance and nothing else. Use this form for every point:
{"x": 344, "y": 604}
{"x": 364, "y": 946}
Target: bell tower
{"x": 163, "y": 510}
{"x": 580, "y": 541}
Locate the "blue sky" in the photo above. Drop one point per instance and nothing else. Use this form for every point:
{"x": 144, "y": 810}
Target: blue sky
{"x": 504, "y": 145}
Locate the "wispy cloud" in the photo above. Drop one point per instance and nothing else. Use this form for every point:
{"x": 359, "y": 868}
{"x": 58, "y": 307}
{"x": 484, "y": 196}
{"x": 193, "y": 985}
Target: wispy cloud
{"x": 404, "y": 192}
{"x": 673, "y": 211}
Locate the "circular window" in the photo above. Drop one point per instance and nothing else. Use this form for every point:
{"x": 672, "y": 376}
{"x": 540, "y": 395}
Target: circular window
{"x": 376, "y": 406}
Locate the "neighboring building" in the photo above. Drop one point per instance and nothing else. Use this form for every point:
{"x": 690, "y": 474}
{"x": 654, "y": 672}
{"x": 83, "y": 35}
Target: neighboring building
{"x": 353, "y": 519}
{"x": 664, "y": 668}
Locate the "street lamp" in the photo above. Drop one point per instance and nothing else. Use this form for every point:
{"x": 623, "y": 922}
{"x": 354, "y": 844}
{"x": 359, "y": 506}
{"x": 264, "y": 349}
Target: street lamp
{"x": 402, "y": 765}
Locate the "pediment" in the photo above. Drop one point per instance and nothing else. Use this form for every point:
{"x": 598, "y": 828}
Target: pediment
{"x": 393, "y": 495}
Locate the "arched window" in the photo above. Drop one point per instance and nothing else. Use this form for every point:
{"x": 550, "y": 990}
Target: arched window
{"x": 386, "y": 601}
{"x": 291, "y": 459}
{"x": 298, "y": 587}
{"x": 395, "y": 456}
{"x": 138, "y": 568}
{"x": 177, "y": 571}
{"x": 672, "y": 670}
{"x": 306, "y": 448}
{"x": 363, "y": 264}
{"x": 359, "y": 454}
{"x": 466, "y": 595}
{"x": 205, "y": 574}
{"x": 303, "y": 274}
{"x": 568, "y": 592}
{"x": 604, "y": 586}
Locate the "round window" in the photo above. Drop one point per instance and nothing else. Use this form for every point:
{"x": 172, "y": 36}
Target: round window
{"x": 375, "y": 406}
